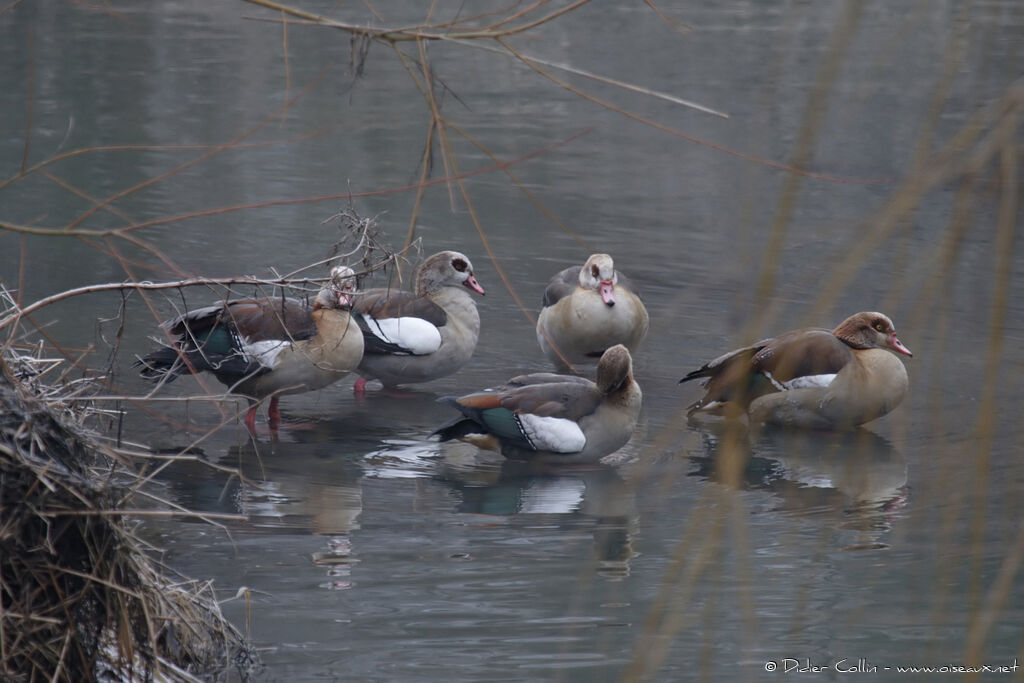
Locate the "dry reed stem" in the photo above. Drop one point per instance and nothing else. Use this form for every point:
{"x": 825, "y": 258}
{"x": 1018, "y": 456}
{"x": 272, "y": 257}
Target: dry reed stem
{"x": 992, "y": 134}
{"x": 806, "y": 142}
{"x": 80, "y": 599}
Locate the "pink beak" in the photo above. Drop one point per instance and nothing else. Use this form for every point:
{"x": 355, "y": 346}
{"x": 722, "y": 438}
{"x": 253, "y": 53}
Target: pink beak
{"x": 896, "y": 345}
{"x": 607, "y": 291}
{"x": 344, "y": 300}
{"x": 471, "y": 283}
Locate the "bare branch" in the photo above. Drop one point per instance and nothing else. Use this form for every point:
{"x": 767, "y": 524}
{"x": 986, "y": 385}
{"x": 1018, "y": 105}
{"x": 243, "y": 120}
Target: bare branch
{"x": 149, "y": 286}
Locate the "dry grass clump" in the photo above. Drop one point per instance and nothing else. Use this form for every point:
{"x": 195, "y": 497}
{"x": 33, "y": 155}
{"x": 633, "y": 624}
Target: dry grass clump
{"x": 80, "y": 599}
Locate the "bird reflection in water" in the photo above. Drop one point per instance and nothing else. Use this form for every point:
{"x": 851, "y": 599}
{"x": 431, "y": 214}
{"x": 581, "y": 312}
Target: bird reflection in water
{"x": 300, "y": 487}
{"x": 563, "y": 495}
{"x": 857, "y": 480}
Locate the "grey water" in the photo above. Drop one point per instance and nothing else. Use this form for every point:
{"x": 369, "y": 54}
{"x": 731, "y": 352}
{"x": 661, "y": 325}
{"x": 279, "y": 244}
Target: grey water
{"x": 373, "y": 553}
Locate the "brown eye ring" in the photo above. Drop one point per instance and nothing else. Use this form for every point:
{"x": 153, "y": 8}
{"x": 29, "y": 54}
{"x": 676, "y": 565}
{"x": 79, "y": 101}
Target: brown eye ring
{"x": 594, "y": 272}
{"x": 460, "y": 265}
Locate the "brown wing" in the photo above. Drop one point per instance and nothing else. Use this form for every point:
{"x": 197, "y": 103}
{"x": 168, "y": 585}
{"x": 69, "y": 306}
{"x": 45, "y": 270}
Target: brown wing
{"x": 262, "y": 319}
{"x": 561, "y": 285}
{"x": 392, "y": 303}
{"x": 545, "y": 378}
{"x": 568, "y": 400}
{"x": 744, "y": 374}
{"x": 802, "y": 353}
{"x": 722, "y": 364}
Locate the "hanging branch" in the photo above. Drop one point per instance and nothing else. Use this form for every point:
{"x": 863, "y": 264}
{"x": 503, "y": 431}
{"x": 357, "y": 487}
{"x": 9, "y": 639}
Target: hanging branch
{"x": 473, "y": 38}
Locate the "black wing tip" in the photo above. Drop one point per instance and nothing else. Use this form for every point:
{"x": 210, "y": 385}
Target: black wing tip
{"x": 164, "y": 364}
{"x": 457, "y": 428}
{"x": 696, "y": 374}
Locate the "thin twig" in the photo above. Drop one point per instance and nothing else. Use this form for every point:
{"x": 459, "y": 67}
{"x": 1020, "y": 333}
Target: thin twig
{"x": 150, "y": 286}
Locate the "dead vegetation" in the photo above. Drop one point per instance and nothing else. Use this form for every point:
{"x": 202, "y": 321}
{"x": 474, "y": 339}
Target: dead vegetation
{"x": 81, "y": 597}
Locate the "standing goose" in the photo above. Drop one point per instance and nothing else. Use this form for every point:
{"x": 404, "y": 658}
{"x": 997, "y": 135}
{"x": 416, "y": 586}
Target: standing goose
{"x": 413, "y": 337}
{"x": 587, "y": 310}
{"x": 266, "y": 346}
{"x": 551, "y": 417}
{"x": 813, "y": 377}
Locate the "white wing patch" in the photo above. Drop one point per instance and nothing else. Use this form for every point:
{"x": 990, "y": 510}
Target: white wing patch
{"x": 801, "y": 382}
{"x": 810, "y": 381}
{"x": 415, "y": 335}
{"x": 265, "y": 351}
{"x": 552, "y": 433}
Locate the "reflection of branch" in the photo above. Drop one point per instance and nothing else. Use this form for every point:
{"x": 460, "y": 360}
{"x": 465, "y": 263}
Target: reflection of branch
{"x": 119, "y": 232}
{"x": 202, "y": 157}
{"x": 154, "y": 148}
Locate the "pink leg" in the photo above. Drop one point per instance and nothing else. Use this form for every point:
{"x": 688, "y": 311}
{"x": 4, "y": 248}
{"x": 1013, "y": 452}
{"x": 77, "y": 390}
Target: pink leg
{"x": 250, "y": 418}
{"x": 274, "y": 413}
{"x": 360, "y": 386}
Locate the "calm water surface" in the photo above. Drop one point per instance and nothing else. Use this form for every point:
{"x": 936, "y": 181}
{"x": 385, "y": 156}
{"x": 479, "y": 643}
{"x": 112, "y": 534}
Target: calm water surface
{"x": 373, "y": 553}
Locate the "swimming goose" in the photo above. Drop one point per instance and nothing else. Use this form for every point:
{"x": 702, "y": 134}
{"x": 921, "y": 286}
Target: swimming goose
{"x": 811, "y": 378}
{"x": 552, "y": 417}
{"x": 267, "y": 346}
{"x": 418, "y": 336}
{"x": 588, "y": 309}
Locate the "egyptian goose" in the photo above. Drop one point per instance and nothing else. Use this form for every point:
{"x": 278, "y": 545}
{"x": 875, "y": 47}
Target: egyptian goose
{"x": 267, "y": 346}
{"x": 586, "y": 310}
{"x": 551, "y": 417}
{"x": 418, "y": 336}
{"x": 812, "y": 377}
